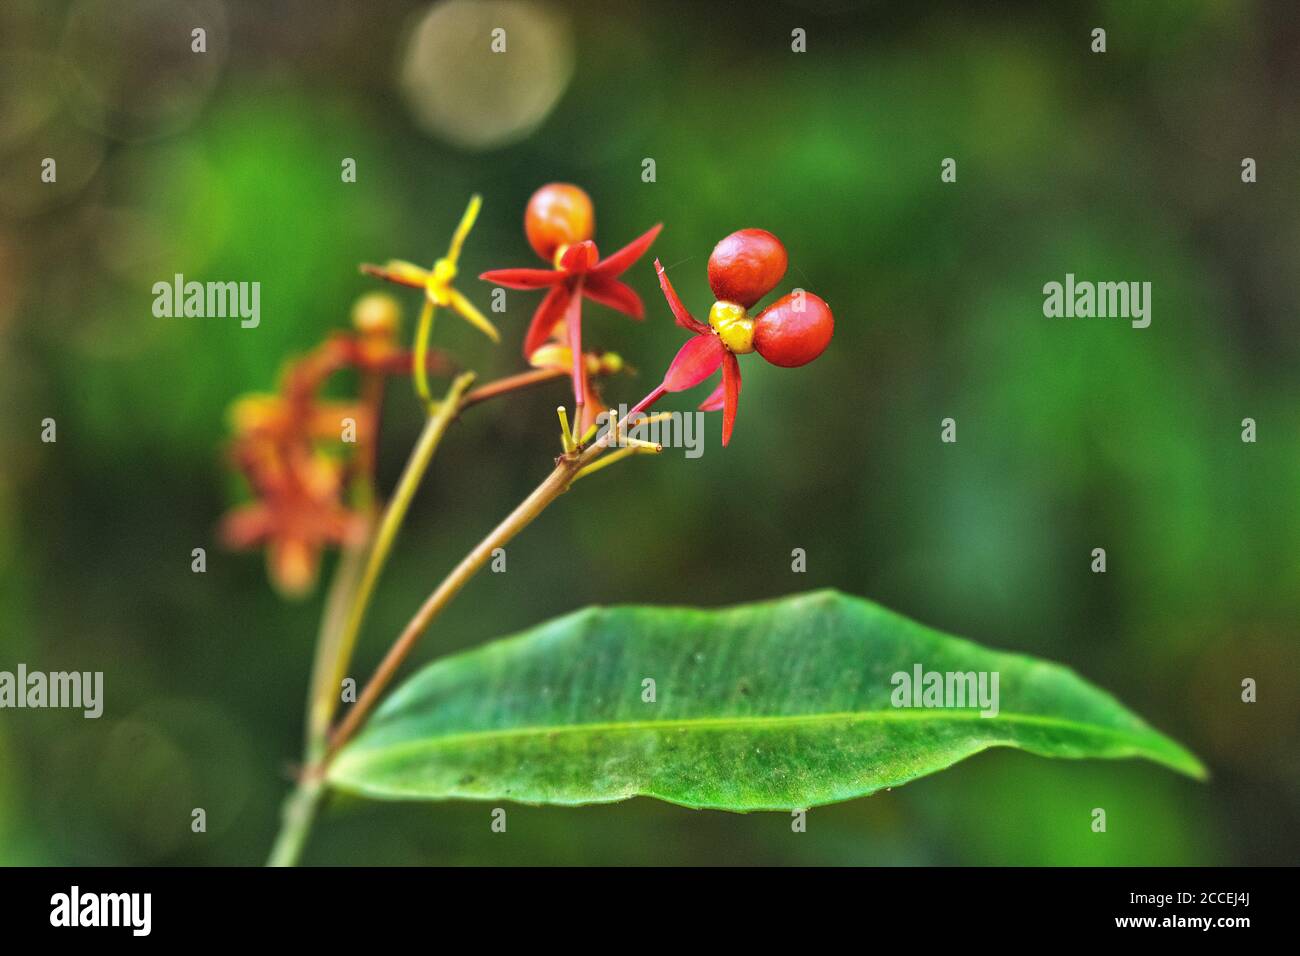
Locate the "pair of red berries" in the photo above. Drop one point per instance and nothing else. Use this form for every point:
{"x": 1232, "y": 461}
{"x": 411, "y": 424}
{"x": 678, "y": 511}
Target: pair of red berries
{"x": 743, "y": 268}
{"x": 792, "y": 331}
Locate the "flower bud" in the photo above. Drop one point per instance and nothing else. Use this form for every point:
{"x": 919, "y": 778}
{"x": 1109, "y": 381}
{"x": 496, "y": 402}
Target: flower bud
{"x": 376, "y": 313}
{"x": 558, "y": 214}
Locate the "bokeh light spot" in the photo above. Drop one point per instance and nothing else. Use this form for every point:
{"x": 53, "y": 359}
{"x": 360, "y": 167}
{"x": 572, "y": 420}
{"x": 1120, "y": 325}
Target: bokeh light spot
{"x": 134, "y": 73}
{"x": 459, "y": 90}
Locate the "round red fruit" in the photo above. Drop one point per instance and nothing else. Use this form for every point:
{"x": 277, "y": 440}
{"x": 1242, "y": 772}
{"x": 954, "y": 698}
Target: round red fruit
{"x": 558, "y": 214}
{"x": 794, "y": 329}
{"x": 746, "y": 265}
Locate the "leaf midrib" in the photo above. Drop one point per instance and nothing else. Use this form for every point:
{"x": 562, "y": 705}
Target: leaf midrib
{"x": 765, "y": 722}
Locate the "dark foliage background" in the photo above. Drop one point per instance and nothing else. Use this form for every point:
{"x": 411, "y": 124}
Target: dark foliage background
{"x": 1072, "y": 434}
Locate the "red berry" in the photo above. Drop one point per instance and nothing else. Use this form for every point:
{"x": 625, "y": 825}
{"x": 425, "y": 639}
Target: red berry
{"x": 558, "y": 214}
{"x": 794, "y": 329}
{"x": 746, "y": 265}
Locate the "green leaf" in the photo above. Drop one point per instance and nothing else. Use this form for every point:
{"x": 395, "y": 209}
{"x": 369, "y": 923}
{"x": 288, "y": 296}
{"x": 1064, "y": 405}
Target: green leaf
{"x": 773, "y": 706}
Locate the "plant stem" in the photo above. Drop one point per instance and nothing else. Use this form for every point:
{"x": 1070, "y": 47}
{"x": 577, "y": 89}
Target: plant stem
{"x": 555, "y": 484}
{"x": 348, "y": 569}
{"x": 573, "y": 326}
{"x": 350, "y": 594}
{"x": 325, "y": 690}
{"x": 658, "y": 392}
{"x": 511, "y": 383}
{"x": 301, "y": 806}
{"x": 341, "y": 592}
{"x": 296, "y": 820}
{"x": 326, "y": 700}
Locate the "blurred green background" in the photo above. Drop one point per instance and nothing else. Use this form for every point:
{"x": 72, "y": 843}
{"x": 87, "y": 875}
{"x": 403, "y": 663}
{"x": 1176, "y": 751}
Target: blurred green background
{"x": 1072, "y": 434}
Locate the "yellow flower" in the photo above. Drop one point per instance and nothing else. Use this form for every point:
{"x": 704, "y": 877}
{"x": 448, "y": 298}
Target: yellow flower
{"x": 438, "y": 291}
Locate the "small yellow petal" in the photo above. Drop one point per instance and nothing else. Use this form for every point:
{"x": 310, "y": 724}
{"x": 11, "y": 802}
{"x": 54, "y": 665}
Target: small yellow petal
{"x": 473, "y": 316}
{"x": 406, "y": 271}
{"x": 466, "y": 224}
{"x": 423, "y": 331}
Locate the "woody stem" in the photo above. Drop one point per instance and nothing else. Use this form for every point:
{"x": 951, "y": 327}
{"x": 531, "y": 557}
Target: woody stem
{"x": 555, "y": 484}
{"x": 356, "y": 581}
{"x": 326, "y": 695}
{"x": 511, "y": 383}
{"x": 301, "y": 806}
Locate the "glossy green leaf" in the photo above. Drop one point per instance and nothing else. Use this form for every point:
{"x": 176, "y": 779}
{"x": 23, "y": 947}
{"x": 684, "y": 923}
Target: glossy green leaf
{"x": 779, "y": 705}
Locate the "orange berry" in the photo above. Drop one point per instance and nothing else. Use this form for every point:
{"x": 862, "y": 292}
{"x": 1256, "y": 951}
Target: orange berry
{"x": 558, "y": 214}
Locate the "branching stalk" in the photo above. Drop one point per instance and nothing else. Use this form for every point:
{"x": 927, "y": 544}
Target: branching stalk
{"x": 555, "y": 484}
{"x": 342, "y": 589}
{"x": 434, "y": 428}
{"x": 512, "y": 383}
{"x": 301, "y": 806}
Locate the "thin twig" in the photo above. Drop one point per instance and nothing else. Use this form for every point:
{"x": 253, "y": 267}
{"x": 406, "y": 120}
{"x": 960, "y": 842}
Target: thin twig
{"x": 511, "y": 383}
{"x": 394, "y": 514}
{"x": 341, "y": 592}
{"x": 555, "y": 484}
